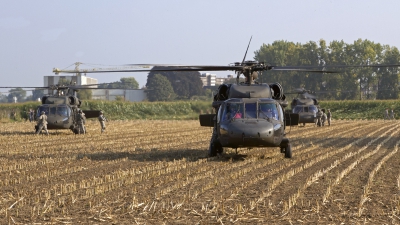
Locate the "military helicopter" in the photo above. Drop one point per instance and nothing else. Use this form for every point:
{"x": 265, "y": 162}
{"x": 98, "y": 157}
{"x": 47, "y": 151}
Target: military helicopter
{"x": 62, "y": 106}
{"x": 306, "y": 105}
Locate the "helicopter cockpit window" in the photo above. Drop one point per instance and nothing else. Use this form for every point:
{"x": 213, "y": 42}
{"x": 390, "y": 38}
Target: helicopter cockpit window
{"x": 63, "y": 111}
{"x": 251, "y": 110}
{"x": 268, "y": 110}
{"x": 312, "y": 109}
{"x": 298, "y": 109}
{"x": 232, "y": 111}
{"x": 41, "y": 109}
{"x": 53, "y": 110}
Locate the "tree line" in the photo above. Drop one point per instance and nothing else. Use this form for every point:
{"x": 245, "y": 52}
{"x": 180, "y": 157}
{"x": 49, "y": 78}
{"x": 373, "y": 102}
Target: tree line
{"x": 348, "y": 83}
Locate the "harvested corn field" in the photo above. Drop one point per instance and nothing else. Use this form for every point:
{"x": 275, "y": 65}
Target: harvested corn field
{"x": 157, "y": 172}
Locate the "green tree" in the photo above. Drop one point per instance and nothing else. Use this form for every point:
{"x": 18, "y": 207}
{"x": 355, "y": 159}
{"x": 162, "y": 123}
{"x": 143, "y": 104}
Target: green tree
{"x": 124, "y": 83}
{"x": 16, "y": 92}
{"x": 159, "y": 89}
{"x": 184, "y": 83}
{"x": 388, "y": 83}
{"x": 85, "y": 94}
{"x": 3, "y": 98}
{"x": 37, "y": 93}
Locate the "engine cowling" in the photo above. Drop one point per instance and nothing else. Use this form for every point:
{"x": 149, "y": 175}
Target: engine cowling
{"x": 222, "y": 93}
{"x": 277, "y": 91}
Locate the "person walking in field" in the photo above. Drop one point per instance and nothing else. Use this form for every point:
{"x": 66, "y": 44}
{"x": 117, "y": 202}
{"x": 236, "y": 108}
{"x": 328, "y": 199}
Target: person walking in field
{"x": 80, "y": 120}
{"x": 319, "y": 117}
{"x": 102, "y": 121}
{"x": 42, "y": 123}
{"x": 386, "y": 115}
{"x": 31, "y": 115}
{"x": 323, "y": 118}
{"x": 329, "y": 117}
{"x": 392, "y": 115}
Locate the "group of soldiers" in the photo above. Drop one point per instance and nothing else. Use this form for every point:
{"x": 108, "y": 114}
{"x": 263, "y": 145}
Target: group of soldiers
{"x": 323, "y": 117}
{"x": 80, "y": 121}
{"x": 387, "y": 116}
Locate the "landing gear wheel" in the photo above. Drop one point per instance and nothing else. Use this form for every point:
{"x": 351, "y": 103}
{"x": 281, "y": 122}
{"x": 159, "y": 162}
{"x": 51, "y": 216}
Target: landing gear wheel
{"x": 288, "y": 151}
{"x": 215, "y": 148}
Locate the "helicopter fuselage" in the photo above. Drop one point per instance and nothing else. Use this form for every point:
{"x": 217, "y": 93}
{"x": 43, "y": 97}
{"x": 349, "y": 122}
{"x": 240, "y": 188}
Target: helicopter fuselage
{"x": 59, "y": 116}
{"x": 306, "y": 109}
{"x": 249, "y": 116}
{"x": 253, "y": 128}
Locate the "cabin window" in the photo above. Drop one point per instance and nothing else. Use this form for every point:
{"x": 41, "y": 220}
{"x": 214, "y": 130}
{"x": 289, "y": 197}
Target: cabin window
{"x": 232, "y": 111}
{"x": 250, "y": 110}
{"x": 41, "y": 109}
{"x": 268, "y": 110}
{"x": 62, "y": 111}
{"x": 53, "y": 110}
{"x": 298, "y": 109}
{"x": 312, "y": 109}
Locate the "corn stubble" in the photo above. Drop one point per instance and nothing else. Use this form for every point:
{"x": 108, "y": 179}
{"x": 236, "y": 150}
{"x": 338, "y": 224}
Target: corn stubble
{"x": 152, "y": 172}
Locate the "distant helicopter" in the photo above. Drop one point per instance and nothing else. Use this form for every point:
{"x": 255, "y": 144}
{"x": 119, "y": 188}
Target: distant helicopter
{"x": 306, "y": 105}
{"x": 62, "y": 107}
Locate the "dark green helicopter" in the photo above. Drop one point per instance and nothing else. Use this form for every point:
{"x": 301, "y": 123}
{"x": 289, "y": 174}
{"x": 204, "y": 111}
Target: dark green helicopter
{"x": 62, "y": 106}
{"x": 306, "y": 105}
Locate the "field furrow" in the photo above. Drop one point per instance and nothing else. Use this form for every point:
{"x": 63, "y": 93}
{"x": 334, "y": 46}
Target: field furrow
{"x": 153, "y": 172}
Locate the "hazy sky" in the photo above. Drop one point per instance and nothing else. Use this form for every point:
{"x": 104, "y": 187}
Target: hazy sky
{"x": 37, "y": 36}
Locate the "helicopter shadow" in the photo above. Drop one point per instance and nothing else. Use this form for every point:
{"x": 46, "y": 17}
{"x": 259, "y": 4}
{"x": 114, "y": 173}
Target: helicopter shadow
{"x": 148, "y": 155}
{"x": 163, "y": 155}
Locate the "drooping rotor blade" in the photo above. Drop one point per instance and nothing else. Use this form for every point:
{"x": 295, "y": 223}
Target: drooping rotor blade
{"x": 170, "y": 68}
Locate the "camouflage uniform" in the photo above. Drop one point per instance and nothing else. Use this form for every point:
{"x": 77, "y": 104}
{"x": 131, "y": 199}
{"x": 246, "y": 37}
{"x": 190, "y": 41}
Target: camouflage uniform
{"x": 329, "y": 117}
{"x": 386, "y": 115}
{"x": 323, "y": 119}
{"x": 102, "y": 120}
{"x": 319, "y": 116}
{"x": 80, "y": 120}
{"x": 42, "y": 123}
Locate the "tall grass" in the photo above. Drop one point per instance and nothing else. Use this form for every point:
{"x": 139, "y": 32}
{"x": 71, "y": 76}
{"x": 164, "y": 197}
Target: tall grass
{"x": 353, "y": 109}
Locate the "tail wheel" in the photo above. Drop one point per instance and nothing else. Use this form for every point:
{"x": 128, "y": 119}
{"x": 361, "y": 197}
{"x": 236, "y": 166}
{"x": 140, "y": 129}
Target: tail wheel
{"x": 288, "y": 151}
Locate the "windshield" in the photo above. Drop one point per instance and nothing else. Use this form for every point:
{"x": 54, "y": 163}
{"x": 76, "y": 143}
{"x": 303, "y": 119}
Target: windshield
{"x": 298, "y": 109}
{"x": 268, "y": 110}
{"x": 232, "y": 111}
{"x": 63, "y": 110}
{"x": 312, "y": 109}
{"x": 251, "y": 110}
{"x": 53, "y": 110}
{"x": 41, "y": 109}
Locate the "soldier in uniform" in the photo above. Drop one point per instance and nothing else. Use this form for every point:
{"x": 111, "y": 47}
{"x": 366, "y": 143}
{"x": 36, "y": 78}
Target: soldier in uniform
{"x": 102, "y": 120}
{"x": 323, "y": 118}
{"x": 319, "y": 117}
{"x": 329, "y": 117}
{"x": 386, "y": 115}
{"x": 42, "y": 123}
{"x": 80, "y": 120}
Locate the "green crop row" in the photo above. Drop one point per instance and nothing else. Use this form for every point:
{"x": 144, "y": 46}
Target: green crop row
{"x": 373, "y": 109}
